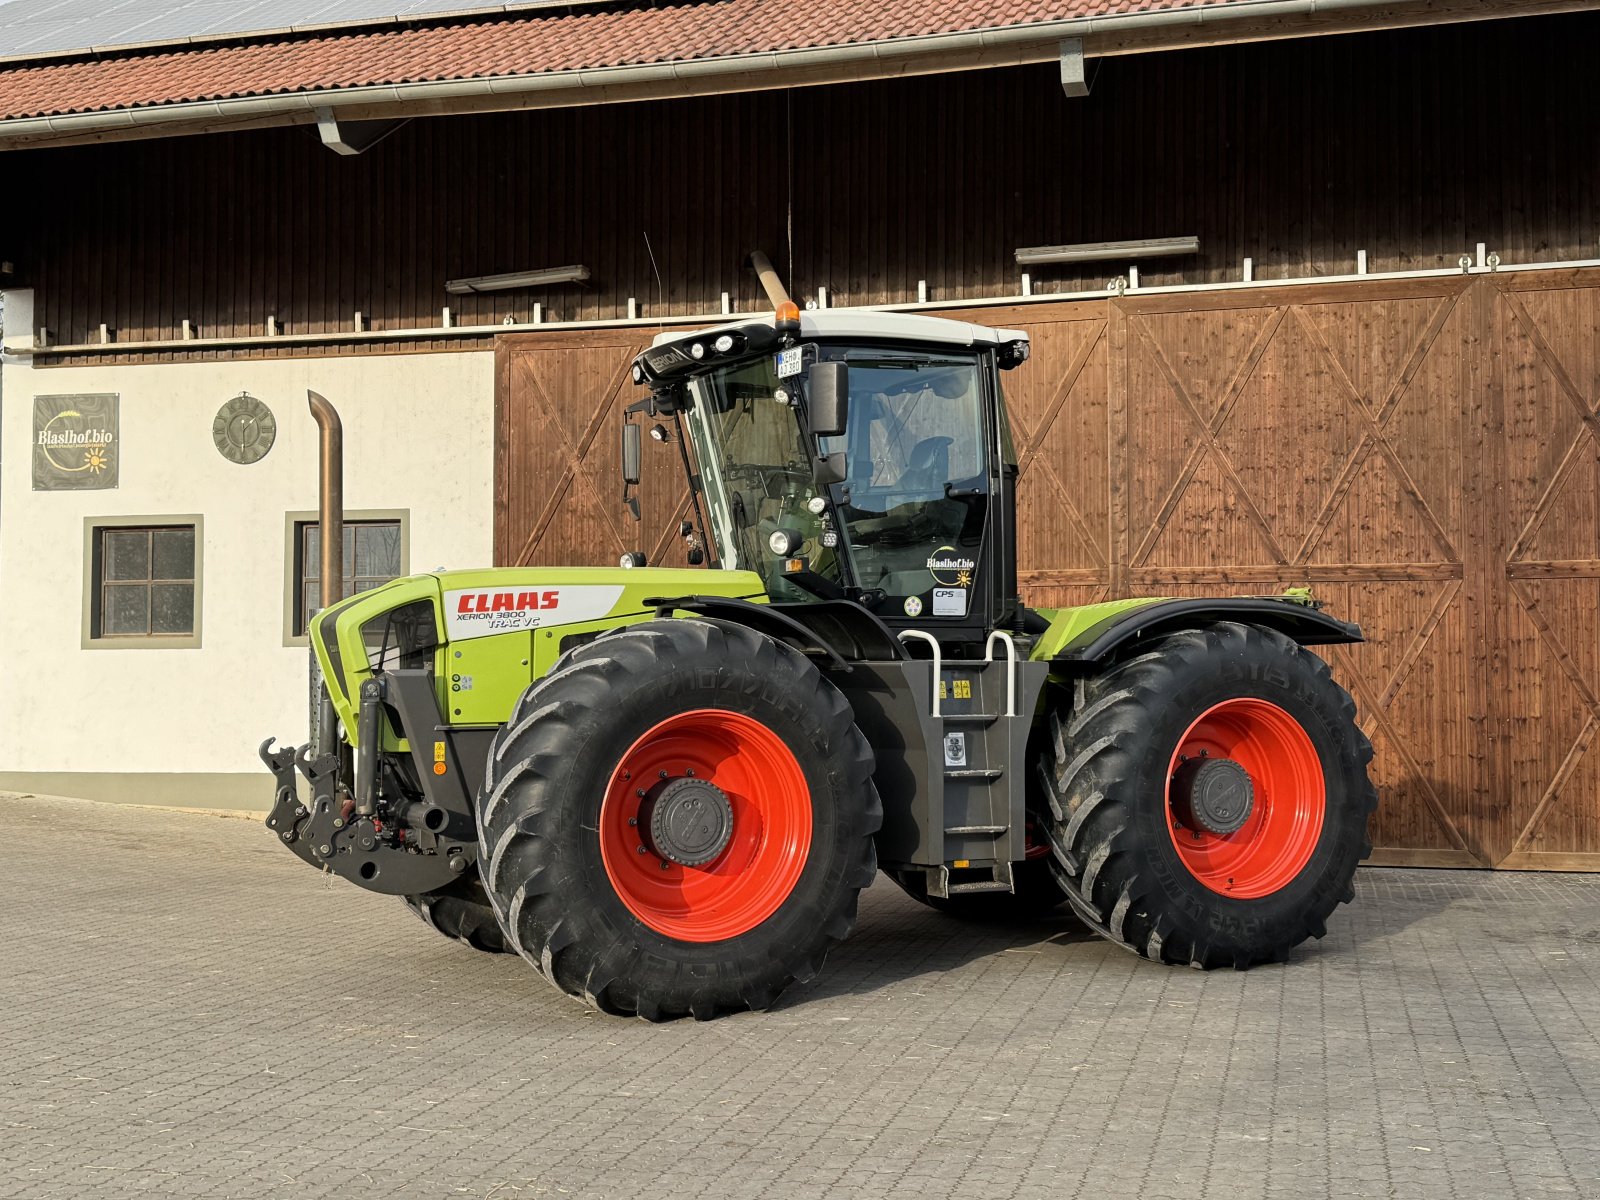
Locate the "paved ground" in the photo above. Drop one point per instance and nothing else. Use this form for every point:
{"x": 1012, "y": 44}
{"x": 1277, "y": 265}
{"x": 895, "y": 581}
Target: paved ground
{"x": 186, "y": 1010}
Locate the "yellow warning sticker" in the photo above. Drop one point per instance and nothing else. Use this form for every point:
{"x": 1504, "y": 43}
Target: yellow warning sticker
{"x": 963, "y": 689}
{"x": 438, "y": 752}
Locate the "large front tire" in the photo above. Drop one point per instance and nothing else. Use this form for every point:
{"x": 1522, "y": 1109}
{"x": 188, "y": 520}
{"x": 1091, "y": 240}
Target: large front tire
{"x": 1209, "y": 870}
{"x": 461, "y": 913}
{"x": 678, "y": 820}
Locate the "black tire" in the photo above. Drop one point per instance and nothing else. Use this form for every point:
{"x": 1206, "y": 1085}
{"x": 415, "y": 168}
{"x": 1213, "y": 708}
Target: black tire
{"x": 1106, "y": 776}
{"x": 461, "y": 912}
{"x": 540, "y": 818}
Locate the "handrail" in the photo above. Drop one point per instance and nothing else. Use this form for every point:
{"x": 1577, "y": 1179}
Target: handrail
{"x": 938, "y": 662}
{"x": 1011, "y": 666}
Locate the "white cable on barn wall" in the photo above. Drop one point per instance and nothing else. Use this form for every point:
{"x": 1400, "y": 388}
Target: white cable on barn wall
{"x": 1468, "y": 264}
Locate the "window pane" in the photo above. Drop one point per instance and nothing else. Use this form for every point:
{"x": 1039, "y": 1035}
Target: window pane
{"x": 310, "y": 602}
{"x": 377, "y": 551}
{"x": 311, "y": 551}
{"x": 172, "y": 608}
{"x": 126, "y": 554}
{"x": 173, "y": 553}
{"x": 126, "y": 611}
{"x": 349, "y": 548}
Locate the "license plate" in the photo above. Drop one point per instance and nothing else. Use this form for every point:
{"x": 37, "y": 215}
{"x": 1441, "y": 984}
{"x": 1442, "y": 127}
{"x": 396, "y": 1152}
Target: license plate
{"x": 789, "y": 362}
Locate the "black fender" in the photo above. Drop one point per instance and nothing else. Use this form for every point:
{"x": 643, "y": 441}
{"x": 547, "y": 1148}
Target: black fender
{"x": 841, "y": 631}
{"x": 1306, "y": 625}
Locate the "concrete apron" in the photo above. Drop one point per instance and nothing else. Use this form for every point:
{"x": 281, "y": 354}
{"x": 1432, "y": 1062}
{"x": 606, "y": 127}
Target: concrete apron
{"x": 232, "y": 794}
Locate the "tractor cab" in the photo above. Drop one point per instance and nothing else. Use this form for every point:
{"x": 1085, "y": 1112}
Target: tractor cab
{"x": 855, "y": 456}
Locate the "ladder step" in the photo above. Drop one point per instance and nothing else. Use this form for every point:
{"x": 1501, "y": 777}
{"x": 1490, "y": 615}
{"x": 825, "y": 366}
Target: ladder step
{"x": 985, "y": 886}
{"x": 972, "y": 718}
{"x": 975, "y": 773}
{"x": 976, "y": 830}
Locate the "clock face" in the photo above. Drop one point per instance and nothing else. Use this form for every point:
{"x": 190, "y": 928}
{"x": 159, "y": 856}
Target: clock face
{"x": 244, "y": 429}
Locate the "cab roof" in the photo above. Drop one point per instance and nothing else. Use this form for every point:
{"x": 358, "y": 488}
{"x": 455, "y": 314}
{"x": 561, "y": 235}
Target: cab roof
{"x": 867, "y": 325}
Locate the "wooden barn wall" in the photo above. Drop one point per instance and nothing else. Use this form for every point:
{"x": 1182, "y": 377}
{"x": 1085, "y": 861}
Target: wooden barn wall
{"x": 1413, "y": 145}
{"x": 1424, "y": 453}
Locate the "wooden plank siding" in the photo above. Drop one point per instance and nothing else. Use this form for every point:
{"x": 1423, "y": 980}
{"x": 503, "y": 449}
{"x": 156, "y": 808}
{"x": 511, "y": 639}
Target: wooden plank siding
{"x": 1424, "y": 453}
{"x": 1297, "y": 154}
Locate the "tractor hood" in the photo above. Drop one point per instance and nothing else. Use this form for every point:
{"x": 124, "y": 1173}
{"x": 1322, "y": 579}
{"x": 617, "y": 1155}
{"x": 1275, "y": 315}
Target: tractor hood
{"x": 488, "y": 633}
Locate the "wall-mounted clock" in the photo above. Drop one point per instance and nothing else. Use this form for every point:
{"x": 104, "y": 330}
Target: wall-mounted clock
{"x": 244, "y": 429}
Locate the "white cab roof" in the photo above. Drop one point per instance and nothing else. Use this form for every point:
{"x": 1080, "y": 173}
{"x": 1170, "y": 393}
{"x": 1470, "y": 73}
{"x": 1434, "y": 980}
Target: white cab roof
{"x": 861, "y": 323}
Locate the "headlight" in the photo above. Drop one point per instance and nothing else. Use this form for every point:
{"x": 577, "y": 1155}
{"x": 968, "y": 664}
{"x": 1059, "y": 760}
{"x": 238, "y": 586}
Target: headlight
{"x": 784, "y": 542}
{"x": 723, "y": 344}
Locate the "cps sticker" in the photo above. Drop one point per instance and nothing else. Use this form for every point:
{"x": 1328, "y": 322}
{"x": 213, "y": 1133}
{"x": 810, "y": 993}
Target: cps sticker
{"x": 913, "y": 606}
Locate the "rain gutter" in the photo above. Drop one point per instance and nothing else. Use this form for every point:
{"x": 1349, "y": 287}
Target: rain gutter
{"x": 1247, "y": 20}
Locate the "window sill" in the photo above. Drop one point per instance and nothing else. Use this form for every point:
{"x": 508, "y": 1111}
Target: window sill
{"x": 160, "y": 641}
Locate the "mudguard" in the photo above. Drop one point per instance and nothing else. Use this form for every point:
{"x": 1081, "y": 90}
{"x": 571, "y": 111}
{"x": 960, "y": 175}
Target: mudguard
{"x": 1093, "y": 633}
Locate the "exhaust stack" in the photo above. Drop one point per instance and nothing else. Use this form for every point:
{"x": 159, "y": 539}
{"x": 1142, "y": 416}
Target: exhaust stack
{"x": 777, "y": 294}
{"x": 330, "y": 497}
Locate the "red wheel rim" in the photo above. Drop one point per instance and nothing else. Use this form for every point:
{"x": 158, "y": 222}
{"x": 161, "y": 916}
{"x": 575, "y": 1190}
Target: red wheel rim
{"x": 755, "y": 873}
{"x": 1290, "y": 799}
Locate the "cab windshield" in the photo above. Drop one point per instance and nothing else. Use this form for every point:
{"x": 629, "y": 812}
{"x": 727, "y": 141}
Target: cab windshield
{"x": 908, "y": 521}
{"x": 756, "y": 472}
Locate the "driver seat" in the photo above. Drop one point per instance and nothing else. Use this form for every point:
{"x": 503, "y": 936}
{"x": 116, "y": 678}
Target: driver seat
{"x": 929, "y": 467}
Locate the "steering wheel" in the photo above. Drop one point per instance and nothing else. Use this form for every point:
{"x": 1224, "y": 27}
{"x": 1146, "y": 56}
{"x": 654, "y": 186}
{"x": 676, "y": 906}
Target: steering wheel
{"x": 765, "y": 476}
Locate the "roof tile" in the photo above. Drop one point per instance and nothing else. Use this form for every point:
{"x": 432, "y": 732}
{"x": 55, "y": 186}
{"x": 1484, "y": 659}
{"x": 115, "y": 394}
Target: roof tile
{"x": 523, "y": 45}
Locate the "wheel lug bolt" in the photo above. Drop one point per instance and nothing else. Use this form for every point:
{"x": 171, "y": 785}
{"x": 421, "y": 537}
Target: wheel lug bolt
{"x": 663, "y": 774}
{"x": 633, "y": 820}
{"x": 665, "y": 864}
{"x": 689, "y": 772}
{"x": 639, "y": 792}
{"x": 641, "y": 849}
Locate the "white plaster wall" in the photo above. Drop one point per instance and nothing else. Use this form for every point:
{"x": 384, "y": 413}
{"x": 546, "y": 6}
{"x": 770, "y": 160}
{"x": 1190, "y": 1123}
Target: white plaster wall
{"x": 418, "y": 436}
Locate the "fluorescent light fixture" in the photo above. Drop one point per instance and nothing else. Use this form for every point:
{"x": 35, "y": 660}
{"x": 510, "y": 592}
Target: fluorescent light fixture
{"x": 516, "y": 279}
{"x": 1103, "y": 251}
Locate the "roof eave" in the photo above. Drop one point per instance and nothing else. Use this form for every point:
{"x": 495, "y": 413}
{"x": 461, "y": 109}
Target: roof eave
{"x": 1131, "y": 33}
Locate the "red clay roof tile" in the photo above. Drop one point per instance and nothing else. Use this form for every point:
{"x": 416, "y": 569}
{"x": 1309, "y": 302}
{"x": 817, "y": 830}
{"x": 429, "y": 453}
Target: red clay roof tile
{"x": 532, "y": 44}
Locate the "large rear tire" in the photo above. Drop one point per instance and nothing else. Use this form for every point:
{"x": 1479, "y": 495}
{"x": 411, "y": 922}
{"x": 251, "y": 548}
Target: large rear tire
{"x": 678, "y": 820}
{"x": 461, "y": 912}
{"x": 1209, "y": 798}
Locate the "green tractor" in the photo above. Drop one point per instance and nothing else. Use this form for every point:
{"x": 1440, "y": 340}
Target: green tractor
{"x": 667, "y": 788}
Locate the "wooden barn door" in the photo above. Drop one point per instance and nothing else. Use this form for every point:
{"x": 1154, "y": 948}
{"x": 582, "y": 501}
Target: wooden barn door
{"x": 558, "y": 489}
{"x": 1542, "y": 380}
{"x": 1424, "y": 453}
{"x": 1317, "y": 436}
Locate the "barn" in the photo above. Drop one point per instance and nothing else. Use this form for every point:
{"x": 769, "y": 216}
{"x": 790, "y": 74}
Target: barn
{"x": 1314, "y": 293}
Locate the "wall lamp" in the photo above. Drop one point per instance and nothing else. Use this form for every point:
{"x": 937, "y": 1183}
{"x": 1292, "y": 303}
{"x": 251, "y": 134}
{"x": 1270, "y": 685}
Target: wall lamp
{"x": 1103, "y": 251}
{"x": 516, "y": 279}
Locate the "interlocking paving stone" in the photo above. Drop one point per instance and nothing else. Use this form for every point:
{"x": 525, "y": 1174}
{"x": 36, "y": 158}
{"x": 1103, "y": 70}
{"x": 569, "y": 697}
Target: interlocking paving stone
{"x": 186, "y": 1010}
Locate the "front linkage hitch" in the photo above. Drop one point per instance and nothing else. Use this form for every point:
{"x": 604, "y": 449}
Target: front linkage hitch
{"x": 397, "y": 845}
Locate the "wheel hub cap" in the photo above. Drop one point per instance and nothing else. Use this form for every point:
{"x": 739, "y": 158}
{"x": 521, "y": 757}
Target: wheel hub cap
{"x": 687, "y": 821}
{"x": 1213, "y": 794}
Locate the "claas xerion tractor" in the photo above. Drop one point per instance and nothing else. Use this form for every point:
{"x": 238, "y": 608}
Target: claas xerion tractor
{"x": 666, "y": 788}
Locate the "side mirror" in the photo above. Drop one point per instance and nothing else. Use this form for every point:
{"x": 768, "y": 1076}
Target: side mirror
{"x": 829, "y": 470}
{"x": 632, "y": 451}
{"x": 828, "y": 399}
